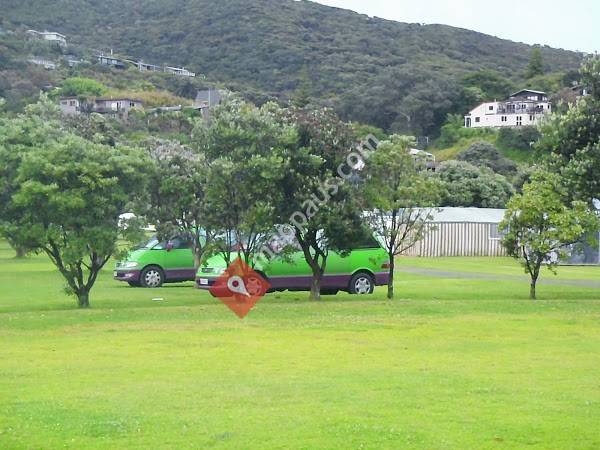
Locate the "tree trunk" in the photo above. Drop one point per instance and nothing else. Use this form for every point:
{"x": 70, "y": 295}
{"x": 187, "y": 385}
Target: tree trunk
{"x": 315, "y": 286}
{"x": 532, "y": 294}
{"x": 83, "y": 299}
{"x": 20, "y": 252}
{"x": 390, "y": 286}
{"x": 197, "y": 259}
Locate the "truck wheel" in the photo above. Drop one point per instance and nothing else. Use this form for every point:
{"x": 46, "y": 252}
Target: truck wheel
{"x": 152, "y": 277}
{"x": 362, "y": 283}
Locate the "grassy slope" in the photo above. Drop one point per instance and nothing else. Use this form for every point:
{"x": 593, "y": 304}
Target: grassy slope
{"x": 450, "y": 364}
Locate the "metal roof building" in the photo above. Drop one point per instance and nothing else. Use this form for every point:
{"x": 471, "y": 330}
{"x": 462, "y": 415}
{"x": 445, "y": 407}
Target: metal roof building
{"x": 462, "y": 232}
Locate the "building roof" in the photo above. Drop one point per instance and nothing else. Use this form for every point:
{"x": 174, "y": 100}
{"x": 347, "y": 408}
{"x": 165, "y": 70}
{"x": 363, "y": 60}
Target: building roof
{"x": 471, "y": 215}
{"x": 118, "y": 99}
{"x": 528, "y": 90}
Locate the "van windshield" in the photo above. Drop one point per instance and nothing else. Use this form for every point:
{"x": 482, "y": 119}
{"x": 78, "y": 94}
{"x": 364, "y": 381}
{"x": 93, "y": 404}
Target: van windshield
{"x": 153, "y": 243}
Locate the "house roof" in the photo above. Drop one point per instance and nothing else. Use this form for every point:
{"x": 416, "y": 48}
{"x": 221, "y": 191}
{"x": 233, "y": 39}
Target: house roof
{"x": 117, "y": 99}
{"x": 528, "y": 90}
{"x": 471, "y": 215}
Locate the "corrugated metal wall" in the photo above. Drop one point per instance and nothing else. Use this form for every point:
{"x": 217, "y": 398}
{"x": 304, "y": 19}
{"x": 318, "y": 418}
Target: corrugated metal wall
{"x": 460, "y": 239}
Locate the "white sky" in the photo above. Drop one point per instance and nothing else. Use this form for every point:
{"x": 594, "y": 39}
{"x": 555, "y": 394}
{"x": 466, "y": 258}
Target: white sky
{"x": 573, "y": 25}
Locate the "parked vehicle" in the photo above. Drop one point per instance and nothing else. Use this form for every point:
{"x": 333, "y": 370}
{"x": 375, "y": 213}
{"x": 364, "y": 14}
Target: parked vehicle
{"x": 357, "y": 272}
{"x": 157, "y": 262}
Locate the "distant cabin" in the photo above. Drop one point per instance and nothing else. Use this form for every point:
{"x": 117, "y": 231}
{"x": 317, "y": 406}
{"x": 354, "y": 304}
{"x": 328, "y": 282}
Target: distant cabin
{"x": 110, "y": 60}
{"x": 525, "y": 107}
{"x": 461, "y": 232}
{"x": 50, "y": 36}
{"x": 119, "y": 107}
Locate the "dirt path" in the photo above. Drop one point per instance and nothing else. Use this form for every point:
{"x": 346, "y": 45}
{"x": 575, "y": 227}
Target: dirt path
{"x": 488, "y": 276}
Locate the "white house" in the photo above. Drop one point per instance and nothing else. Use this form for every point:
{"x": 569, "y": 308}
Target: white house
{"x": 46, "y": 63}
{"x": 50, "y": 36}
{"x": 182, "y": 71}
{"x": 522, "y": 108}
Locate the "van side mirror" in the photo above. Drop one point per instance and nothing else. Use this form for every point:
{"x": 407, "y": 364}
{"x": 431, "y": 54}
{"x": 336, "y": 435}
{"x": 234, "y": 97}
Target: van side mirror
{"x": 169, "y": 246}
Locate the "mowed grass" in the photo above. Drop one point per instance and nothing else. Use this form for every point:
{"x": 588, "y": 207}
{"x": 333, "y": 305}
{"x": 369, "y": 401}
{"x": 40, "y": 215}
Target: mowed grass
{"x": 450, "y": 364}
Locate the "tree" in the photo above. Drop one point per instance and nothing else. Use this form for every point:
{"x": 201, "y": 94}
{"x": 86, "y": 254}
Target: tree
{"x": 82, "y": 87}
{"x": 400, "y": 197}
{"x": 484, "y": 154}
{"x": 62, "y": 195}
{"x": 572, "y": 139}
{"x": 469, "y": 186}
{"x": 244, "y": 147}
{"x": 536, "y": 63}
{"x": 319, "y": 199}
{"x": 539, "y": 223}
{"x": 303, "y": 93}
{"x": 177, "y": 188}
{"x": 492, "y": 84}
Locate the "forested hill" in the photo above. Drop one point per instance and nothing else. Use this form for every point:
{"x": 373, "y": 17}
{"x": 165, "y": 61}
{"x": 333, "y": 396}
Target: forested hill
{"x": 394, "y": 75}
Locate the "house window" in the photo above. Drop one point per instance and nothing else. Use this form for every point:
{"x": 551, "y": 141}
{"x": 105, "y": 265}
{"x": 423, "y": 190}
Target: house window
{"x": 72, "y": 103}
{"x": 531, "y": 118}
{"x": 131, "y": 104}
{"x": 519, "y": 121}
{"x": 504, "y": 119}
{"x": 477, "y": 119}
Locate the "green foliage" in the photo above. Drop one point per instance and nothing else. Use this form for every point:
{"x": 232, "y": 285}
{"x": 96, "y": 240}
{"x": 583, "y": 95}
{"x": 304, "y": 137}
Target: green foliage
{"x": 246, "y": 148}
{"x": 572, "y": 139}
{"x": 520, "y": 138}
{"x": 490, "y": 84}
{"x": 62, "y": 194}
{"x": 82, "y": 87}
{"x": 469, "y": 186}
{"x": 399, "y": 196}
{"x": 319, "y": 197}
{"x": 372, "y": 70}
{"x": 454, "y": 130}
{"x": 177, "y": 188}
{"x": 484, "y": 154}
{"x": 538, "y": 224}
{"x": 536, "y": 63}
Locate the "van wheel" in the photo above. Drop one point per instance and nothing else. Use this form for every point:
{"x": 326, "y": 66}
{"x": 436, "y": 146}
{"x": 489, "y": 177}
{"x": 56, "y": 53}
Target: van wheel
{"x": 362, "y": 283}
{"x": 152, "y": 277}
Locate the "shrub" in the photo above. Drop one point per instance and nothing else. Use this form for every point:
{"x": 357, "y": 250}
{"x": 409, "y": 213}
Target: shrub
{"x": 484, "y": 154}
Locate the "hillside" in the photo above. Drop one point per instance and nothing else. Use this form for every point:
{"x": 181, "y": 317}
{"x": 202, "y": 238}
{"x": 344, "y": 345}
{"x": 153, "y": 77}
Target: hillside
{"x": 393, "y": 75}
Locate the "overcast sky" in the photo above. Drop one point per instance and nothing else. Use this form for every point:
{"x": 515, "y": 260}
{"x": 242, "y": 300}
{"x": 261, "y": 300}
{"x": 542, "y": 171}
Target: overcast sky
{"x": 573, "y": 25}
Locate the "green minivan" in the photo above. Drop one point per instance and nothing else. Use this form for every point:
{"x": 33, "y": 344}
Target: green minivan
{"x": 154, "y": 263}
{"x": 358, "y": 272}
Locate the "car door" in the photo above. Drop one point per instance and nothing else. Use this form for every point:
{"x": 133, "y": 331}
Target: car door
{"x": 179, "y": 260}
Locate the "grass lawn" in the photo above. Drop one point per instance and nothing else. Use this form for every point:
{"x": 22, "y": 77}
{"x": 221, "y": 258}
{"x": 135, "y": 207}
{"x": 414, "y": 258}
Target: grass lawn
{"x": 450, "y": 364}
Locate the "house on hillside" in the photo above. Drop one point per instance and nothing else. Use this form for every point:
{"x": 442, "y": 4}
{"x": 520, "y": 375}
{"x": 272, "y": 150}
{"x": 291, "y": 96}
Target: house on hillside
{"x": 110, "y": 60}
{"x": 70, "y": 105}
{"x": 461, "y": 232}
{"x": 525, "y": 107}
{"x": 181, "y": 71}
{"x": 45, "y": 63}
{"x": 50, "y": 36}
{"x": 145, "y": 67}
{"x": 118, "y": 107}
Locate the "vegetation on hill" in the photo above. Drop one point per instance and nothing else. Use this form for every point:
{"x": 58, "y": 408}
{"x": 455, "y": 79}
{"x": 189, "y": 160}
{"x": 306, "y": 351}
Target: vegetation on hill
{"x": 397, "y": 76}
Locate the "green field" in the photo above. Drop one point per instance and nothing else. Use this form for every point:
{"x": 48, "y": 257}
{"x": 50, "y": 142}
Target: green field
{"x": 452, "y": 363}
